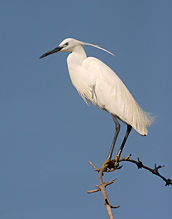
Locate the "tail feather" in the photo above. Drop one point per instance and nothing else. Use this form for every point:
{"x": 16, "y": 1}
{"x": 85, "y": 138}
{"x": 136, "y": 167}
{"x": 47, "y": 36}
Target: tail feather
{"x": 142, "y": 122}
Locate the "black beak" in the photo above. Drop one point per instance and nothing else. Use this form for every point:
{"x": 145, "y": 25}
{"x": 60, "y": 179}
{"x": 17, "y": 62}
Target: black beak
{"x": 57, "y": 49}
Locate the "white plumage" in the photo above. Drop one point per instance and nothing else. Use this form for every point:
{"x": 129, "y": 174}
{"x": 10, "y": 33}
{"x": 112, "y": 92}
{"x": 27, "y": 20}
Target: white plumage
{"x": 99, "y": 84}
{"x": 96, "y": 82}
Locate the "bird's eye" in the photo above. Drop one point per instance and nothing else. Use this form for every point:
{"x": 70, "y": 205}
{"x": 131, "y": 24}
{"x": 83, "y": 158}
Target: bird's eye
{"x": 66, "y": 44}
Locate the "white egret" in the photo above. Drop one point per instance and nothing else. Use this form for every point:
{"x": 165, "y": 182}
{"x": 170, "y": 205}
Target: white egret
{"x": 99, "y": 84}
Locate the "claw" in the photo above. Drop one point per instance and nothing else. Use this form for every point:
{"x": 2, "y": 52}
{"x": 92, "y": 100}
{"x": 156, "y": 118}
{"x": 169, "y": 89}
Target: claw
{"x": 112, "y": 164}
{"x": 106, "y": 162}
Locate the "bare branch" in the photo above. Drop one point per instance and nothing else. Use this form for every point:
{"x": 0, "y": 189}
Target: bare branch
{"x": 114, "y": 165}
{"x": 154, "y": 171}
{"x": 102, "y": 187}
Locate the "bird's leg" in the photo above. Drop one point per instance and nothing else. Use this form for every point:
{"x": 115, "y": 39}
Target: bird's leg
{"x": 117, "y": 126}
{"x": 122, "y": 145}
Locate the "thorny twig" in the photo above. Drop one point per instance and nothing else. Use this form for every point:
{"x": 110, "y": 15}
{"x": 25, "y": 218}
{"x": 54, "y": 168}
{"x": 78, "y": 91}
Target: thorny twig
{"x": 102, "y": 185}
{"x": 154, "y": 171}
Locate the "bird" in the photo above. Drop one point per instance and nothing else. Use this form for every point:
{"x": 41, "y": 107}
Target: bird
{"x": 97, "y": 83}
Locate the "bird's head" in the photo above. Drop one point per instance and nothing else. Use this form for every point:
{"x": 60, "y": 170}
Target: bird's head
{"x": 68, "y": 45}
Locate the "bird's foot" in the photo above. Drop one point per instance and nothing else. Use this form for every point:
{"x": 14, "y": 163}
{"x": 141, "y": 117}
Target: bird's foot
{"x": 106, "y": 163}
{"x": 111, "y": 164}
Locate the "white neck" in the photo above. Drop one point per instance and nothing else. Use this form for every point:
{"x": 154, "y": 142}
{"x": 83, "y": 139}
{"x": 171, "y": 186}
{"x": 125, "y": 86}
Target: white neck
{"x": 76, "y": 57}
{"x": 74, "y": 62}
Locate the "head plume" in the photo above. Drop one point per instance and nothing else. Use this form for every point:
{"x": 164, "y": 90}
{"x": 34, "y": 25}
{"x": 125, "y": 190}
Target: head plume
{"x": 96, "y": 46}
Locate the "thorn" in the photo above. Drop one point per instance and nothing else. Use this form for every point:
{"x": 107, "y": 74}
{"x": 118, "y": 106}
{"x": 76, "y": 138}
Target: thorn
{"x": 168, "y": 182}
{"x": 107, "y": 203}
{"x": 155, "y": 170}
{"x": 139, "y": 164}
{"x": 160, "y": 166}
{"x": 128, "y": 156}
{"x": 115, "y": 206}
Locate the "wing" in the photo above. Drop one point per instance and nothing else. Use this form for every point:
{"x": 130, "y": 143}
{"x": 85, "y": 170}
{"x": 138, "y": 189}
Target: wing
{"x": 108, "y": 92}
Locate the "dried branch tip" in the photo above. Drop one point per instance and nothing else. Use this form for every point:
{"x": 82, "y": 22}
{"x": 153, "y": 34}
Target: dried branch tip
{"x": 95, "y": 168}
{"x": 168, "y": 182}
{"x": 109, "y": 183}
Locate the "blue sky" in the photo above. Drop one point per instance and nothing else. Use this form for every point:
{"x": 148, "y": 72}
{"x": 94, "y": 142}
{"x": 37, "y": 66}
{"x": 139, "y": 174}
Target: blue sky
{"x": 48, "y": 133}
